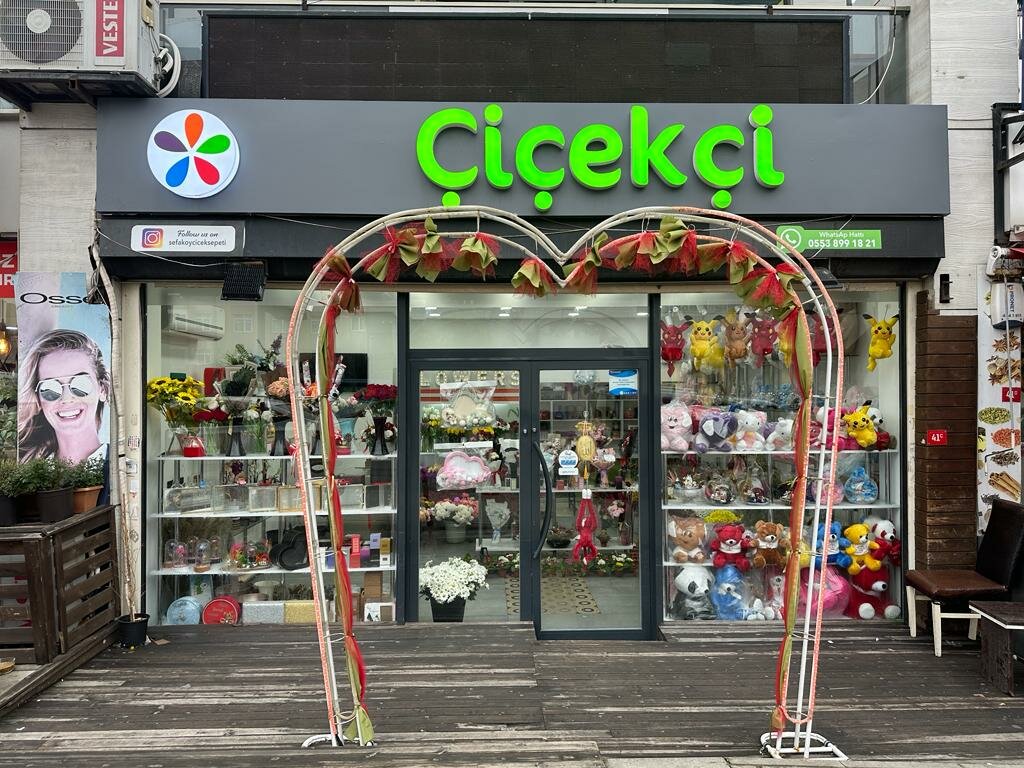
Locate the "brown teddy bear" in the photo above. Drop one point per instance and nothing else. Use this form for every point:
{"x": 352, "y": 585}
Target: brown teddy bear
{"x": 688, "y": 535}
{"x": 769, "y": 545}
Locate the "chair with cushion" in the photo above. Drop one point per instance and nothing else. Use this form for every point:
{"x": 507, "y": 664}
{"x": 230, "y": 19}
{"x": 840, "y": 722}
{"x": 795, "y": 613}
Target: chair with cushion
{"x": 991, "y": 578}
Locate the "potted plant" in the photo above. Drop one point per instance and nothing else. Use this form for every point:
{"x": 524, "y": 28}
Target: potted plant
{"x": 456, "y": 514}
{"x": 87, "y": 480}
{"x": 449, "y": 585}
{"x": 559, "y": 536}
{"x": 177, "y": 400}
{"x": 7, "y": 513}
{"x": 42, "y": 491}
{"x": 267, "y": 363}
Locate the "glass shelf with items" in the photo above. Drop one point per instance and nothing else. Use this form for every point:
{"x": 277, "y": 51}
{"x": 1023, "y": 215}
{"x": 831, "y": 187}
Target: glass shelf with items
{"x": 727, "y": 465}
{"x": 246, "y": 513}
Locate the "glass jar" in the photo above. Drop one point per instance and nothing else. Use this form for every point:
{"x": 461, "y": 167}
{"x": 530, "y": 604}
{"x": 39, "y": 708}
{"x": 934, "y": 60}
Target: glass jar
{"x": 204, "y": 557}
{"x": 174, "y": 554}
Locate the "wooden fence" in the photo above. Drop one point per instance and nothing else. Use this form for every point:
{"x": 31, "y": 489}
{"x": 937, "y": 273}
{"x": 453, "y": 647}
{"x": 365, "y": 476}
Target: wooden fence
{"x": 58, "y": 585}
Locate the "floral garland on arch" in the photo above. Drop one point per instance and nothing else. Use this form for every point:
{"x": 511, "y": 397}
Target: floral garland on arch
{"x": 672, "y": 250}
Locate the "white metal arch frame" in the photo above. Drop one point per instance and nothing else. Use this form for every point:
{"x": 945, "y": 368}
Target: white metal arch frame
{"x": 791, "y": 722}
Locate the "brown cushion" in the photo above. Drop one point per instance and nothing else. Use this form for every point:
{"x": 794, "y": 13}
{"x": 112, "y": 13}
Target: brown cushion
{"x": 953, "y": 583}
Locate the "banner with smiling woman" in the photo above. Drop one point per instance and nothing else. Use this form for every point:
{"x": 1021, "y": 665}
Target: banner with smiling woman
{"x": 63, "y": 369}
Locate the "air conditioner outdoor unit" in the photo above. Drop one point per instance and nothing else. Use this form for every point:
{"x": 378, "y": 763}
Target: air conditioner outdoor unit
{"x": 71, "y": 50}
{"x": 203, "y": 322}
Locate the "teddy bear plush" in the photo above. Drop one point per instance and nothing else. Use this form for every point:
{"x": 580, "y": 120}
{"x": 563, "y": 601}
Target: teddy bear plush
{"x": 676, "y": 427}
{"x": 835, "y": 546}
{"x": 687, "y": 536}
{"x": 727, "y": 595}
{"x": 836, "y": 593}
{"x": 861, "y": 549}
{"x": 730, "y": 546}
{"x": 868, "y": 597}
{"x": 768, "y": 544}
{"x": 781, "y": 438}
{"x": 715, "y": 432}
{"x": 748, "y": 431}
{"x": 693, "y": 586}
{"x": 883, "y": 532}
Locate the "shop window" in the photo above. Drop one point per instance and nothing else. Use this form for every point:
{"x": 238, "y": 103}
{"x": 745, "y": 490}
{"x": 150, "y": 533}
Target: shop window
{"x": 500, "y": 320}
{"x": 727, "y": 461}
{"x": 223, "y": 512}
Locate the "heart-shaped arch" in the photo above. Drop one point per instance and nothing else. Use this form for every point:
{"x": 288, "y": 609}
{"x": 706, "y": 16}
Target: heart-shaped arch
{"x": 765, "y": 272}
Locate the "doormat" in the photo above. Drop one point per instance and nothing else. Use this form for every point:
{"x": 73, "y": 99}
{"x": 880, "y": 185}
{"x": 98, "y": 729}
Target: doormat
{"x": 558, "y": 595}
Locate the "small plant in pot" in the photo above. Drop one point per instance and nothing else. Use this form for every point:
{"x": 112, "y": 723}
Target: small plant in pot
{"x": 449, "y": 584}
{"x": 87, "y": 480}
{"x": 7, "y": 492}
{"x": 42, "y": 491}
{"x": 559, "y": 537}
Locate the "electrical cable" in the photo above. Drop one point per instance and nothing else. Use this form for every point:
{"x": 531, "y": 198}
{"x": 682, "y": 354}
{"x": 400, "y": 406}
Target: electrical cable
{"x": 171, "y": 50}
{"x": 892, "y": 54}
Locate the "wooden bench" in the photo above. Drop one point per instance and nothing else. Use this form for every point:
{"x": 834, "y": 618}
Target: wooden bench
{"x": 999, "y": 620}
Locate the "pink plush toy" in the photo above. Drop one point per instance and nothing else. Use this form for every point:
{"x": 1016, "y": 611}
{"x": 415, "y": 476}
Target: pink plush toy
{"x": 730, "y": 546}
{"x": 837, "y": 592}
{"x": 676, "y": 427}
{"x": 868, "y": 598}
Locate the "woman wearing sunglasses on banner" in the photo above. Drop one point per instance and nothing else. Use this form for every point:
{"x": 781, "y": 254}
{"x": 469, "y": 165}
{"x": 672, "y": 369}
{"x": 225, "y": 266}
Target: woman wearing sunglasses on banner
{"x": 64, "y": 388}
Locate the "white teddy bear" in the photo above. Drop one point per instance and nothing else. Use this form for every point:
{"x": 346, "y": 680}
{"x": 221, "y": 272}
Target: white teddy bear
{"x": 781, "y": 438}
{"x": 748, "y": 431}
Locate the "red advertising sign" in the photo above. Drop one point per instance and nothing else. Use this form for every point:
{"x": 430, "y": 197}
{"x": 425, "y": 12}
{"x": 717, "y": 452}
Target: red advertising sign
{"x": 1011, "y": 394}
{"x": 936, "y": 437}
{"x": 110, "y": 30}
{"x": 8, "y": 266}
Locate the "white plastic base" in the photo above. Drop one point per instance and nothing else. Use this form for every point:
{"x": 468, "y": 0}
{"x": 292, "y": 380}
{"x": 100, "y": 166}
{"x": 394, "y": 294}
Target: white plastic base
{"x": 324, "y": 738}
{"x": 790, "y": 744}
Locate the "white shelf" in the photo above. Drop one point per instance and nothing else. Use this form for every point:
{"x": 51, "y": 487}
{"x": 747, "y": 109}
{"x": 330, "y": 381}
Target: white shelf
{"x": 506, "y": 545}
{"x": 838, "y": 507}
{"x": 210, "y": 514}
{"x": 813, "y": 452}
{"x": 673, "y": 563}
{"x": 220, "y": 570}
{"x": 268, "y": 457}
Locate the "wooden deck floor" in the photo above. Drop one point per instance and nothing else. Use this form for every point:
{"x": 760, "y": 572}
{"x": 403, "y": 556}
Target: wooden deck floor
{"x": 492, "y": 695}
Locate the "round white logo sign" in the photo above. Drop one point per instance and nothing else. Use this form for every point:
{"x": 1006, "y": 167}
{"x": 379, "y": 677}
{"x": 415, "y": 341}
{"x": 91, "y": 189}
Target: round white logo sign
{"x": 193, "y": 153}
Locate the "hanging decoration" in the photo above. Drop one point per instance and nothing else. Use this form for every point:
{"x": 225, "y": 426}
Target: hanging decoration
{"x": 882, "y": 339}
{"x": 414, "y": 243}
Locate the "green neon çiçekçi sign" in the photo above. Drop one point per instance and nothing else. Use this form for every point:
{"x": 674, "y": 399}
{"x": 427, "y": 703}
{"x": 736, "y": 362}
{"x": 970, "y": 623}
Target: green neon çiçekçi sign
{"x": 593, "y": 155}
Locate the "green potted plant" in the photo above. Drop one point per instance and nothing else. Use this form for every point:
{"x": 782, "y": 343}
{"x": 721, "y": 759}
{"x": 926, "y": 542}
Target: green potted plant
{"x": 8, "y": 467}
{"x": 87, "y": 479}
{"x": 42, "y": 491}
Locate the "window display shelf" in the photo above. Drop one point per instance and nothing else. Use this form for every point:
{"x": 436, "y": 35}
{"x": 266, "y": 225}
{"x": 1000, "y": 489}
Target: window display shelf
{"x": 210, "y": 514}
{"x": 513, "y": 546}
{"x": 772, "y": 507}
{"x": 220, "y": 570}
{"x": 771, "y": 453}
{"x": 247, "y": 457}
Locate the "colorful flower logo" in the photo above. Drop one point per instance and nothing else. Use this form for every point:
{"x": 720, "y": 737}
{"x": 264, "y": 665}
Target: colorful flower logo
{"x": 193, "y": 153}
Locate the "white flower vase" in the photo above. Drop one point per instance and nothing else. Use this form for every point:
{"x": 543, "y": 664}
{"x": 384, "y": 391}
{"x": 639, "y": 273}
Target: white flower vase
{"x": 454, "y": 533}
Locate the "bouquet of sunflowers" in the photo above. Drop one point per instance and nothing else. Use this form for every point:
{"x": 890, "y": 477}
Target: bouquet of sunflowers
{"x": 177, "y": 399}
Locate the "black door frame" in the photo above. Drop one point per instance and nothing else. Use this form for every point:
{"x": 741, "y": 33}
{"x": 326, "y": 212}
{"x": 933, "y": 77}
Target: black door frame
{"x": 529, "y": 363}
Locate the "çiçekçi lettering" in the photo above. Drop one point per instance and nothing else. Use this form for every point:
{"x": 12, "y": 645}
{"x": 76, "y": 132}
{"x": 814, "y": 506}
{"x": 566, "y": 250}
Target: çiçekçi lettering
{"x": 594, "y": 152}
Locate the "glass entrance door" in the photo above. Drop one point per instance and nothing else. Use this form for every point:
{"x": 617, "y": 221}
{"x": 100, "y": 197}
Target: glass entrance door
{"x": 533, "y": 470}
{"x": 586, "y": 550}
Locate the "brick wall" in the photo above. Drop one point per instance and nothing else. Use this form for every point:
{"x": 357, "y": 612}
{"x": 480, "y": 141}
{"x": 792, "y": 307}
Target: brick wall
{"x": 945, "y": 381}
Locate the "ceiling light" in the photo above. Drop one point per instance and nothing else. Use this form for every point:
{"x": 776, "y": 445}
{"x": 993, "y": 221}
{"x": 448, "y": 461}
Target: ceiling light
{"x": 506, "y": 309}
{"x": 641, "y": 313}
{"x": 433, "y": 314}
{"x": 504, "y": 314}
{"x": 580, "y": 308}
{"x": 430, "y": 309}
{"x": 574, "y": 314}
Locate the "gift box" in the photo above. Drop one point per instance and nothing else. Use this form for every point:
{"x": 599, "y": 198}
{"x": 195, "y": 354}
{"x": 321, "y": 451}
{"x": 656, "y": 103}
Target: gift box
{"x": 262, "y": 498}
{"x": 263, "y": 612}
{"x": 353, "y": 496}
{"x": 299, "y": 612}
{"x": 288, "y": 498}
{"x": 190, "y": 499}
{"x": 230, "y": 498}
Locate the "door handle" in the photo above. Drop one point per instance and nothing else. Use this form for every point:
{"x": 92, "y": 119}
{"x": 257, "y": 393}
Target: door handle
{"x": 549, "y": 498}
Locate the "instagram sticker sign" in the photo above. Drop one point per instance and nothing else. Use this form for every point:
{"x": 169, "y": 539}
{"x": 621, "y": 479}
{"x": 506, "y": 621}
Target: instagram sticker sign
{"x": 193, "y": 154}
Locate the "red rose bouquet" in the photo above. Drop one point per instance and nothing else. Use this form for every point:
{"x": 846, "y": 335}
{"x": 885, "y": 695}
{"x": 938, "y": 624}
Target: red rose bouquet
{"x": 380, "y": 399}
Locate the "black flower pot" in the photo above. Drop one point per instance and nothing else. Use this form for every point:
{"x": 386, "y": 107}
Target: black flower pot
{"x": 26, "y": 508}
{"x": 8, "y": 516}
{"x": 280, "y": 446}
{"x": 448, "y": 612}
{"x": 131, "y": 630}
{"x": 55, "y": 506}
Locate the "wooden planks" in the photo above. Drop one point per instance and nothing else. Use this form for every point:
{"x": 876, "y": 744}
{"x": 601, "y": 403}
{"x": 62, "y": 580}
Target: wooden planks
{"x": 489, "y": 695}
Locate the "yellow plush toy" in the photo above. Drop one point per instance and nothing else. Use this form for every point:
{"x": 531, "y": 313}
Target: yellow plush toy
{"x": 860, "y": 427}
{"x": 705, "y": 347}
{"x": 860, "y": 549}
{"x": 882, "y": 339}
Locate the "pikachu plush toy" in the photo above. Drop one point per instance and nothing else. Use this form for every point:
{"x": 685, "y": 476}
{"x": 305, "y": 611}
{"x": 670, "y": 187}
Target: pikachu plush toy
{"x": 882, "y": 339}
{"x": 705, "y": 346}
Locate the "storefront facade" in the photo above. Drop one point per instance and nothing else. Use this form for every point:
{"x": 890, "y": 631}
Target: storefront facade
{"x": 478, "y": 367}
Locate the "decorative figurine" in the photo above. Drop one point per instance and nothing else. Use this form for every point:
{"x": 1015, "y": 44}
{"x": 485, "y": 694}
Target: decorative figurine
{"x": 882, "y": 339}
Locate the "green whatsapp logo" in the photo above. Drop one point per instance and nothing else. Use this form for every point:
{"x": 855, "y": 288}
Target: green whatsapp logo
{"x": 597, "y": 156}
